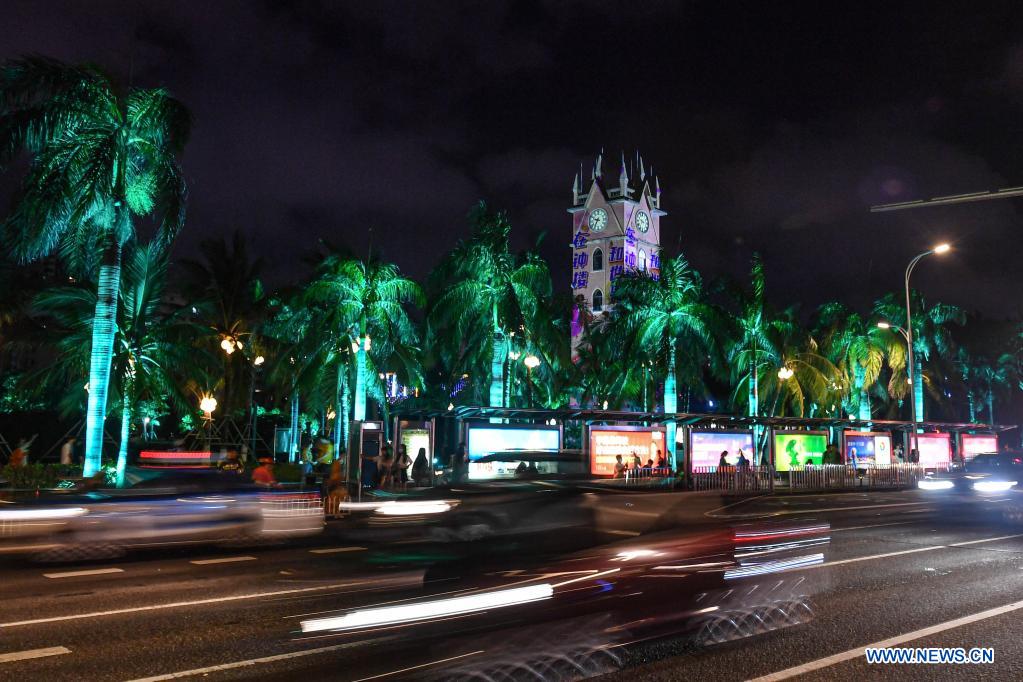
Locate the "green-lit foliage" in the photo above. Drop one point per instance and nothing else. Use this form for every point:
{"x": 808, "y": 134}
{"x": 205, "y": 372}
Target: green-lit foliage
{"x": 99, "y": 156}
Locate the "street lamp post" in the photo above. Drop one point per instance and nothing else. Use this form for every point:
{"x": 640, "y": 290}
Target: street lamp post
{"x": 908, "y": 333}
{"x": 912, "y": 401}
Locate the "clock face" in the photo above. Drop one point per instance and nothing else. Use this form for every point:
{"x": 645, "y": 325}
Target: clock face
{"x": 598, "y": 220}
{"x": 642, "y": 221}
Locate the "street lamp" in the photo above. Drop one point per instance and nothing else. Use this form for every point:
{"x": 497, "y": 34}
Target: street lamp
{"x": 531, "y": 362}
{"x": 785, "y": 373}
{"x": 908, "y": 333}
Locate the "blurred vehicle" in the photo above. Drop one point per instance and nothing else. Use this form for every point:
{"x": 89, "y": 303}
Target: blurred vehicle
{"x": 160, "y": 508}
{"x": 990, "y": 472}
{"x": 575, "y": 616}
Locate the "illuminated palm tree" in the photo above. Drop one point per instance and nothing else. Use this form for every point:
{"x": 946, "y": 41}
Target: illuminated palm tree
{"x": 367, "y": 300}
{"x": 858, "y": 348}
{"x": 486, "y": 294}
{"x": 664, "y": 318}
{"x": 99, "y": 157}
{"x": 931, "y": 338}
{"x": 990, "y": 376}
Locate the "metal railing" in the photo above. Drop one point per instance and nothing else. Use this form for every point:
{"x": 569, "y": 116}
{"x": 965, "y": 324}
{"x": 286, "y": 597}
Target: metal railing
{"x": 733, "y": 478}
{"x": 844, "y": 476}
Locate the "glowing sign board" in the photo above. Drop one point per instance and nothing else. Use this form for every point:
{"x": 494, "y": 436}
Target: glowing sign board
{"x": 935, "y": 448}
{"x": 798, "y": 448}
{"x": 706, "y": 447}
{"x": 489, "y": 440}
{"x": 863, "y": 448}
{"x": 606, "y": 443}
{"x": 973, "y": 444}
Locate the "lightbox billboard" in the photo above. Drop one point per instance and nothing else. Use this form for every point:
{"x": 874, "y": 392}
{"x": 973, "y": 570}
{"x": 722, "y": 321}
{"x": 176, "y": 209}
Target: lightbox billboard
{"x": 606, "y": 443}
{"x": 492, "y": 439}
{"x": 798, "y": 448}
{"x": 868, "y": 448}
{"x": 935, "y": 448}
{"x": 706, "y": 447}
{"x": 973, "y": 444}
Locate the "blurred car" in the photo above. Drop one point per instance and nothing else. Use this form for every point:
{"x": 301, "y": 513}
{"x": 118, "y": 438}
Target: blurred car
{"x": 159, "y": 508}
{"x": 990, "y": 472}
{"x": 571, "y": 616}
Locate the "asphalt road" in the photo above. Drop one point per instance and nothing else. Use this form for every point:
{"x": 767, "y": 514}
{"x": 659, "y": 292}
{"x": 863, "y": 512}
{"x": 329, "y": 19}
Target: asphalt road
{"x": 898, "y": 563}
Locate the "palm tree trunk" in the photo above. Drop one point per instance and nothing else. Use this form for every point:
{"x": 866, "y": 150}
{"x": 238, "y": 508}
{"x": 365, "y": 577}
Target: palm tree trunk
{"x": 973, "y": 407}
{"x": 497, "y": 366}
{"x": 346, "y": 404}
{"x": 122, "y": 453}
{"x": 360, "y": 374}
{"x": 670, "y": 403}
{"x": 295, "y": 443}
{"x": 991, "y": 406}
{"x": 103, "y": 329}
{"x": 918, "y": 386}
{"x": 340, "y": 415}
{"x": 860, "y": 378}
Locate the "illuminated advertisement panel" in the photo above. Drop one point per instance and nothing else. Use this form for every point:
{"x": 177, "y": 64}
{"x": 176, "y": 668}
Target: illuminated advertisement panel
{"x": 798, "y": 448}
{"x": 868, "y": 448}
{"x": 606, "y": 443}
{"x": 973, "y": 444}
{"x": 706, "y": 447}
{"x": 493, "y": 439}
{"x": 413, "y": 440}
{"x": 935, "y": 448}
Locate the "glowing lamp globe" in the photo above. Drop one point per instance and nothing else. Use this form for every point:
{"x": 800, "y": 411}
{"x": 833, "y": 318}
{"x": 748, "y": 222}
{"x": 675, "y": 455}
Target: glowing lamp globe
{"x": 532, "y": 362}
{"x": 208, "y": 404}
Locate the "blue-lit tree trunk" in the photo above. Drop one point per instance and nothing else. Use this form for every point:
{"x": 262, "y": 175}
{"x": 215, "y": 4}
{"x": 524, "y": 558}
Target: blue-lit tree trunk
{"x": 991, "y": 406}
{"x": 295, "y": 443}
{"x": 360, "y": 375}
{"x": 122, "y": 453}
{"x": 500, "y": 353}
{"x": 103, "y": 329}
{"x": 340, "y": 415}
{"x": 918, "y": 386}
{"x": 859, "y": 379}
{"x": 972, "y": 404}
{"x": 670, "y": 403}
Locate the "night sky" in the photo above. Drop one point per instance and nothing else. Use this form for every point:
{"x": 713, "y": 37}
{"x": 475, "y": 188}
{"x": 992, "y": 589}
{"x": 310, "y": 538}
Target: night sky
{"x": 772, "y": 126}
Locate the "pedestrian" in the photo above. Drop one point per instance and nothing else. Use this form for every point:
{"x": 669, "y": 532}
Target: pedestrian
{"x": 263, "y": 475}
{"x": 384, "y": 466}
{"x": 19, "y": 458}
{"x": 722, "y": 461}
{"x": 336, "y": 490}
{"x": 661, "y": 462}
{"x": 742, "y": 463}
{"x": 421, "y": 469}
{"x": 232, "y": 463}
{"x": 399, "y": 472}
{"x": 619, "y": 467}
{"x": 460, "y": 463}
{"x": 66, "y": 450}
{"x": 637, "y": 463}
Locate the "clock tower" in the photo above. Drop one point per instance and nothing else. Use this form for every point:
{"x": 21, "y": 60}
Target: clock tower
{"x": 615, "y": 229}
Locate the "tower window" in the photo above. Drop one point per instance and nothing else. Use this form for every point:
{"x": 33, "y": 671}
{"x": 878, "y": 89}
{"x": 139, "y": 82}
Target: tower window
{"x": 642, "y": 260}
{"x": 598, "y": 260}
{"x": 598, "y": 301}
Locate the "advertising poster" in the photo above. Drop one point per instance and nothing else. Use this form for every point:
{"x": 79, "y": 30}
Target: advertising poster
{"x": 413, "y": 439}
{"x": 935, "y": 449}
{"x": 492, "y": 439}
{"x": 798, "y": 448}
{"x": 607, "y": 443}
{"x": 707, "y": 447}
{"x": 867, "y": 448}
{"x": 973, "y": 444}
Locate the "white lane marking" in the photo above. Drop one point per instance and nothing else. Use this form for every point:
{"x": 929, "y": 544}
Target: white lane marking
{"x": 75, "y": 574}
{"x": 419, "y": 667}
{"x": 977, "y": 542}
{"x": 34, "y": 653}
{"x": 630, "y": 533}
{"x": 224, "y": 560}
{"x": 812, "y": 510}
{"x": 333, "y": 550}
{"x": 859, "y": 652}
{"x": 243, "y": 664}
{"x": 876, "y": 525}
{"x": 179, "y": 604}
{"x": 928, "y": 548}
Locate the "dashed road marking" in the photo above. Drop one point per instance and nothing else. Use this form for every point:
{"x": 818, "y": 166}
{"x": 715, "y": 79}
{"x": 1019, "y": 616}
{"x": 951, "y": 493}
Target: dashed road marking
{"x": 33, "y": 653}
{"x": 223, "y": 560}
{"x": 335, "y": 550}
{"x": 91, "y": 571}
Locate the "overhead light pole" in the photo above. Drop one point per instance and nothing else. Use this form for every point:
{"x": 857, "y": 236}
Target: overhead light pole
{"x": 908, "y": 333}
